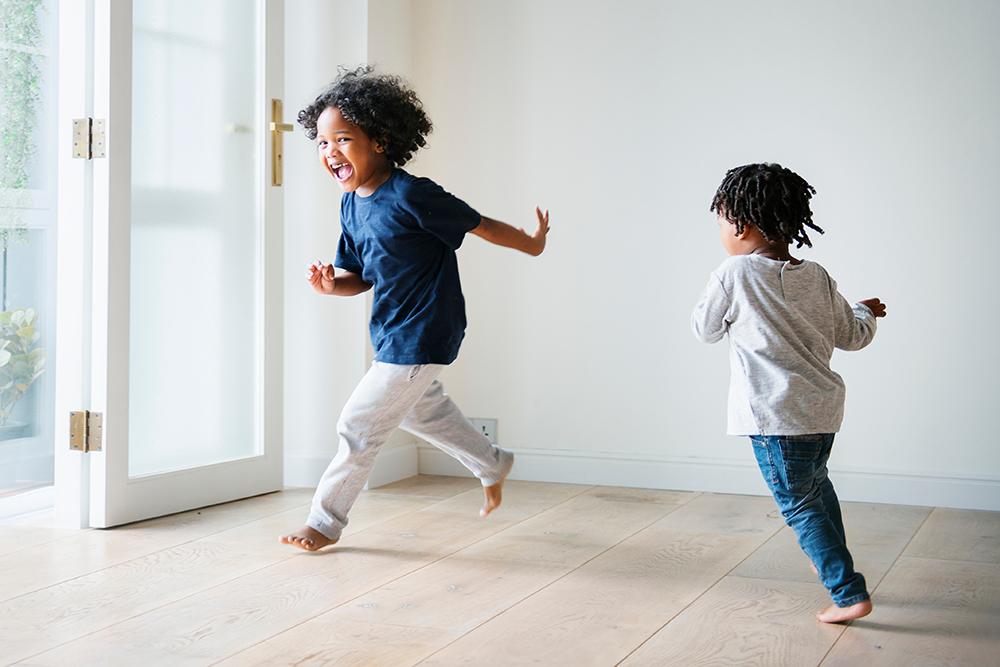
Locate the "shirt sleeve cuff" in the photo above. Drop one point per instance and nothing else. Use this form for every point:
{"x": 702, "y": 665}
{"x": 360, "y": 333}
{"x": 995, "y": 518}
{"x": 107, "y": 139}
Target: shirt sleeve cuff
{"x": 863, "y": 312}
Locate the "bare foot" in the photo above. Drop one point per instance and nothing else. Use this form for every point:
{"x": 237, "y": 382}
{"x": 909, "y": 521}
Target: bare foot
{"x": 835, "y": 614}
{"x": 307, "y": 539}
{"x": 494, "y": 493}
{"x": 813, "y": 568}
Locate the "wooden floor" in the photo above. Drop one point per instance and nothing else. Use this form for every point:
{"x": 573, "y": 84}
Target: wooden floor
{"x": 560, "y": 575}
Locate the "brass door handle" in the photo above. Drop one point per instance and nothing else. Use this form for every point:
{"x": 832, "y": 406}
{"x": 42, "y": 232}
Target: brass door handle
{"x": 277, "y": 126}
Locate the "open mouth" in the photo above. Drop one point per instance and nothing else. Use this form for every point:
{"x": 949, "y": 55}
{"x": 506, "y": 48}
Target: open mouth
{"x": 341, "y": 170}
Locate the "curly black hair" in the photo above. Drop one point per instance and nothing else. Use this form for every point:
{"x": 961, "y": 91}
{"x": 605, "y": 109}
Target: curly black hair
{"x": 770, "y": 197}
{"x": 382, "y": 105}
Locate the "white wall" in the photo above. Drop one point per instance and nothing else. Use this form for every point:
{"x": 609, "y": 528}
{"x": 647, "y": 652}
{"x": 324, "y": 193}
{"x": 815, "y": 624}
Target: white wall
{"x": 622, "y": 119}
{"x": 324, "y": 337}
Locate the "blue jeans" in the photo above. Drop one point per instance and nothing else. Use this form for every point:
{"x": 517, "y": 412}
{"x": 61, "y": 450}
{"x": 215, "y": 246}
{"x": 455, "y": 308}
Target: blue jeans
{"x": 794, "y": 467}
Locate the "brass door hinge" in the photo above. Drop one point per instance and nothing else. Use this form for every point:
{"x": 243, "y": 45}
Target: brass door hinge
{"x": 88, "y": 138}
{"x": 85, "y": 431}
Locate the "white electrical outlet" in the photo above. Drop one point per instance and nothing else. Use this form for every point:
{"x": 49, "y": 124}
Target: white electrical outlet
{"x": 487, "y": 427}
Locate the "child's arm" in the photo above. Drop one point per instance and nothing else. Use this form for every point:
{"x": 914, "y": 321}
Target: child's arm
{"x": 855, "y": 325}
{"x": 325, "y": 281}
{"x": 504, "y": 235}
{"x": 709, "y": 317}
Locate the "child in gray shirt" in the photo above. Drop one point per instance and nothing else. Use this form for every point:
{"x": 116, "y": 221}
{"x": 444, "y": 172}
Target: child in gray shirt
{"x": 784, "y": 317}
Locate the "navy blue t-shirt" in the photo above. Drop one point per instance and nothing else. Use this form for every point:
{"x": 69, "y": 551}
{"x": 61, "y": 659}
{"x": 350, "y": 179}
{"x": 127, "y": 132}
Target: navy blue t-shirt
{"x": 402, "y": 239}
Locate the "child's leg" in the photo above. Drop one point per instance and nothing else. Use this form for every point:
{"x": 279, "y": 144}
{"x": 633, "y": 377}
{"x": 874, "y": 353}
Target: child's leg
{"x": 437, "y": 419}
{"x": 378, "y": 404}
{"x": 830, "y": 501}
{"x": 795, "y": 470}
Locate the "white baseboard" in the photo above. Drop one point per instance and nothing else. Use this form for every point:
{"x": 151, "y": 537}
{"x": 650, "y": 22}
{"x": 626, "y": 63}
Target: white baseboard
{"x": 28, "y": 501}
{"x": 724, "y": 476}
{"x": 405, "y": 459}
{"x": 393, "y": 463}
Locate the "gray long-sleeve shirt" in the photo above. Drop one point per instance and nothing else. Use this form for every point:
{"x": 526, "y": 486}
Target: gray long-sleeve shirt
{"x": 783, "y": 321}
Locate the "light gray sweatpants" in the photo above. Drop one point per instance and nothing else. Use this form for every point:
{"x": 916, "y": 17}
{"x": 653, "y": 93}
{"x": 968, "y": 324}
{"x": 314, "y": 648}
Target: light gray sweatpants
{"x": 407, "y": 397}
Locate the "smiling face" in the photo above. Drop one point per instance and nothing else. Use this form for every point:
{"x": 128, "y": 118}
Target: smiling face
{"x": 356, "y": 162}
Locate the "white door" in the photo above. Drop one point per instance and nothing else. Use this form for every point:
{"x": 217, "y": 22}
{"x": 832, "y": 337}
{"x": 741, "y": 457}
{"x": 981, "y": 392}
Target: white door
{"x": 177, "y": 289}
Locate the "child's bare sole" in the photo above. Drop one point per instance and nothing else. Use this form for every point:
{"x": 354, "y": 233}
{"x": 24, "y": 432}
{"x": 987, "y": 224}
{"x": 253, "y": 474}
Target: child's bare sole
{"x": 835, "y": 614}
{"x": 494, "y": 494}
{"x": 307, "y": 539}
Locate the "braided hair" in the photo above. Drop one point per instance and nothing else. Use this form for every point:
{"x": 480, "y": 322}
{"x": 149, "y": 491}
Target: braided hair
{"x": 382, "y": 105}
{"x": 770, "y": 197}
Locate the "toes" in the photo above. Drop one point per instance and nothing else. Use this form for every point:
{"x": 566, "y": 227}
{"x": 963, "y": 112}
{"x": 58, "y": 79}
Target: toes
{"x": 298, "y": 541}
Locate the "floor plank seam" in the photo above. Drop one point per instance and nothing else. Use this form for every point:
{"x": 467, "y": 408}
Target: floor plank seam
{"x": 699, "y": 596}
{"x": 391, "y": 581}
{"x": 203, "y": 590}
{"x": 877, "y": 584}
{"x": 212, "y": 586}
{"x": 76, "y": 535}
{"x": 71, "y": 533}
{"x": 41, "y": 544}
{"x": 147, "y": 555}
{"x": 563, "y": 576}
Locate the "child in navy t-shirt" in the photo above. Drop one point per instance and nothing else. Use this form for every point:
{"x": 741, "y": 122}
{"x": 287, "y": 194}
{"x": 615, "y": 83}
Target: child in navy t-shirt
{"x": 399, "y": 234}
{"x": 402, "y": 239}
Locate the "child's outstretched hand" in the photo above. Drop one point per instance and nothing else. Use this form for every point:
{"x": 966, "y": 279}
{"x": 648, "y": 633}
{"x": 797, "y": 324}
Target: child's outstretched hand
{"x": 502, "y": 234}
{"x": 874, "y": 305}
{"x": 537, "y": 240}
{"x": 321, "y": 277}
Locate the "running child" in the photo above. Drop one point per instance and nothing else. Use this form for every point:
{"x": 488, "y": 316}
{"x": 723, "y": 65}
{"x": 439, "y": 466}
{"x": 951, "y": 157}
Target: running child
{"x": 399, "y": 234}
{"x": 784, "y": 317}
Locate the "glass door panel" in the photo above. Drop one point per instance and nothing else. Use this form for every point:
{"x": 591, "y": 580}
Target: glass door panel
{"x": 195, "y": 235}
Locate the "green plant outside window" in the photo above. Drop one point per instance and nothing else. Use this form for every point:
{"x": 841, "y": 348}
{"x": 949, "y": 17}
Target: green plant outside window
{"x": 21, "y": 358}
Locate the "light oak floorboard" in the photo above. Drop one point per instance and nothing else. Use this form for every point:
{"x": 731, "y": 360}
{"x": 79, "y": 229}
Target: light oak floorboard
{"x": 559, "y": 575}
{"x": 928, "y": 612}
{"x": 604, "y": 609}
{"x": 217, "y": 622}
{"x": 15, "y": 537}
{"x": 45, "y": 619}
{"x": 433, "y": 486}
{"x": 743, "y": 621}
{"x": 958, "y": 535}
{"x": 876, "y": 535}
{"x": 456, "y": 594}
{"x": 88, "y": 551}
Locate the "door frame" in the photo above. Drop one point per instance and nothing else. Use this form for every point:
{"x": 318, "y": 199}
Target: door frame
{"x": 92, "y": 339}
